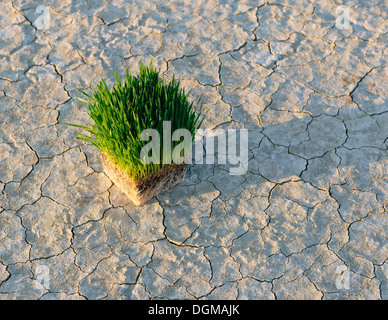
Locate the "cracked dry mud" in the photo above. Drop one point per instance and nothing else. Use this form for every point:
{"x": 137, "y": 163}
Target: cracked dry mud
{"x": 313, "y": 201}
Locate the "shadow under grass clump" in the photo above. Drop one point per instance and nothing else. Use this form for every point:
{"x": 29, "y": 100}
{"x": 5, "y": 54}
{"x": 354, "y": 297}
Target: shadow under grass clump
{"x": 134, "y": 110}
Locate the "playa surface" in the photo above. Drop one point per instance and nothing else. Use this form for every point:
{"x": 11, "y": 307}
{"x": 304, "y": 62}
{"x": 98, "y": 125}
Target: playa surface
{"x": 308, "y": 220}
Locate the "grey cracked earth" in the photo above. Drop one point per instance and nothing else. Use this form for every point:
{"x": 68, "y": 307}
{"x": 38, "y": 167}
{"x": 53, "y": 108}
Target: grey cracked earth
{"x": 308, "y": 220}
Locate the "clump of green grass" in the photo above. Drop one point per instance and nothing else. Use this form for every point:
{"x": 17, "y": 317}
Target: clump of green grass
{"x": 131, "y": 105}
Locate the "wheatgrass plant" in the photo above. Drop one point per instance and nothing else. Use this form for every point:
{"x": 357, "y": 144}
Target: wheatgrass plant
{"x": 138, "y": 102}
